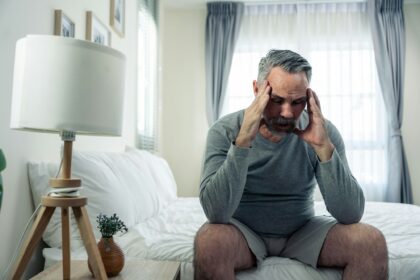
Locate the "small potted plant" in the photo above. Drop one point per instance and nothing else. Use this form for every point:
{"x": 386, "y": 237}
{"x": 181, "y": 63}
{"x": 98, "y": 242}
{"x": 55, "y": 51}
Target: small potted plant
{"x": 111, "y": 253}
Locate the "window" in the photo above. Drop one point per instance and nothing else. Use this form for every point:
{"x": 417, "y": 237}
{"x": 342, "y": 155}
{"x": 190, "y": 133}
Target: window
{"x": 147, "y": 97}
{"x": 335, "y": 38}
{"x": 351, "y": 98}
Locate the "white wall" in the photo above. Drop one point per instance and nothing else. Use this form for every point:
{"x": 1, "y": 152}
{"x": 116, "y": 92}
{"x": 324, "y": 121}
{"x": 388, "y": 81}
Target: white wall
{"x": 183, "y": 118}
{"x": 410, "y": 129}
{"x": 183, "y": 109}
{"x": 17, "y": 19}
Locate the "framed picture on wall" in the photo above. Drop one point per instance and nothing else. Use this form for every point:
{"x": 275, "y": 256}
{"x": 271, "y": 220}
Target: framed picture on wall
{"x": 117, "y": 16}
{"x": 96, "y": 31}
{"x": 63, "y": 25}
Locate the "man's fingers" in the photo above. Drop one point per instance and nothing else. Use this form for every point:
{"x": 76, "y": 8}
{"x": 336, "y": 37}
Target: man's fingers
{"x": 263, "y": 95}
{"x": 313, "y": 104}
{"x": 254, "y": 112}
{"x": 316, "y": 99}
{"x": 264, "y": 89}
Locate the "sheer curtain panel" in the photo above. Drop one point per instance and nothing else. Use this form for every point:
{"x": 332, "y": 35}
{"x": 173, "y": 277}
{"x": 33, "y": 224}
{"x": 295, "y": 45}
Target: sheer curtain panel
{"x": 387, "y": 21}
{"x": 222, "y": 28}
{"x": 336, "y": 39}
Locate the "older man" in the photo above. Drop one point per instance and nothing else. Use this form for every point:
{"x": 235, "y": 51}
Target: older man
{"x": 261, "y": 167}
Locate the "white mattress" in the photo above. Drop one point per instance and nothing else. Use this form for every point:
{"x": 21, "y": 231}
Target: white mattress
{"x": 170, "y": 235}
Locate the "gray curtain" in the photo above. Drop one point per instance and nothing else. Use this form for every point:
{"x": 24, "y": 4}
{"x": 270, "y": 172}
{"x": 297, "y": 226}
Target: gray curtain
{"x": 222, "y": 29}
{"x": 388, "y": 32}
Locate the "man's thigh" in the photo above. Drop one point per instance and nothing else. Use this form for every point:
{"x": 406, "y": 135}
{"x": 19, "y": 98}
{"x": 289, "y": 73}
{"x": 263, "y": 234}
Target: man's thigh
{"x": 223, "y": 243}
{"x": 345, "y": 243}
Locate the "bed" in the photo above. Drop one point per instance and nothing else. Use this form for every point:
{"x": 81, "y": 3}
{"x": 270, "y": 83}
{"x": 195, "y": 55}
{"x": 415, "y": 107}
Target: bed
{"x": 140, "y": 188}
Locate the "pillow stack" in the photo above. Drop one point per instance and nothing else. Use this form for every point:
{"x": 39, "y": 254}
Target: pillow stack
{"x": 134, "y": 184}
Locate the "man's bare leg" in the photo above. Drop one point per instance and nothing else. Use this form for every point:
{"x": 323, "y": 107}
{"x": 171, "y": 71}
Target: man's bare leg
{"x": 359, "y": 248}
{"x": 219, "y": 251}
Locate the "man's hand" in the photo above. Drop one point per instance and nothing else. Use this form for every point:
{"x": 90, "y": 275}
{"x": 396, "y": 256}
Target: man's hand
{"x": 316, "y": 133}
{"x": 252, "y": 117}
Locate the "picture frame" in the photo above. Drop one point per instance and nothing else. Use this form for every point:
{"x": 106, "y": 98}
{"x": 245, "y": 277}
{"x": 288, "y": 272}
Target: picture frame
{"x": 63, "y": 25}
{"x": 96, "y": 30}
{"x": 117, "y": 16}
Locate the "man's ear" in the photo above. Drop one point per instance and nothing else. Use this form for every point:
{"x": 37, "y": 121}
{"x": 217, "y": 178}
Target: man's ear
{"x": 255, "y": 87}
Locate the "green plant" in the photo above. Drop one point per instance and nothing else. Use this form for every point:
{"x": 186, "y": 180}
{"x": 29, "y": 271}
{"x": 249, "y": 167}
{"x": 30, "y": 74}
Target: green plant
{"x": 2, "y": 167}
{"x": 108, "y": 226}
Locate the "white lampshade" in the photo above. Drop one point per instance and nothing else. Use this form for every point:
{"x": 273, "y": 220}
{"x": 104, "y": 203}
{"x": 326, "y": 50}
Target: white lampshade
{"x": 65, "y": 84}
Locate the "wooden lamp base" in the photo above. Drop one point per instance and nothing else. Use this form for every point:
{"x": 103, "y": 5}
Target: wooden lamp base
{"x": 47, "y": 209}
{"x": 48, "y": 206}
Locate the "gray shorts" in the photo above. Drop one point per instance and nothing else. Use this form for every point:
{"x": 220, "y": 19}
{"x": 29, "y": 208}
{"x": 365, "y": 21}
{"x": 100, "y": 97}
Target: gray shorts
{"x": 303, "y": 245}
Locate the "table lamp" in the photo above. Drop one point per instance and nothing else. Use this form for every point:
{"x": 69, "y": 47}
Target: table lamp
{"x": 66, "y": 86}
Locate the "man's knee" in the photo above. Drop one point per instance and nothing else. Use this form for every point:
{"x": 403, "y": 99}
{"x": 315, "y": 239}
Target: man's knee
{"x": 371, "y": 237}
{"x": 370, "y": 241}
{"x": 213, "y": 249}
{"x": 360, "y": 248}
{"x": 213, "y": 241}
{"x": 370, "y": 249}
{"x": 378, "y": 244}
{"x": 220, "y": 250}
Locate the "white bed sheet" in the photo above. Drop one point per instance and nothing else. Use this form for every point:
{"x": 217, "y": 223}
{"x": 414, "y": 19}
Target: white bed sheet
{"x": 170, "y": 235}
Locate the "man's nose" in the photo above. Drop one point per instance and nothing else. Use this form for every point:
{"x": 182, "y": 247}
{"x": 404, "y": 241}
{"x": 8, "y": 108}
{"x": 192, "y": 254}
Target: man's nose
{"x": 286, "y": 110}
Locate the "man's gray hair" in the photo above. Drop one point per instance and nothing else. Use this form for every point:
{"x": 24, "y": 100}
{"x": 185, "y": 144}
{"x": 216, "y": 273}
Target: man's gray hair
{"x": 289, "y": 61}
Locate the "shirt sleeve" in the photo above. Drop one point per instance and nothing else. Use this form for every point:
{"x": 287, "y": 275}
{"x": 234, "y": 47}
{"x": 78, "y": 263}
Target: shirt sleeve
{"x": 223, "y": 177}
{"x": 342, "y": 193}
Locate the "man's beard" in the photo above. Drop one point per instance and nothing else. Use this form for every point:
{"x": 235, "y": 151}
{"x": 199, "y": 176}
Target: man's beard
{"x": 280, "y": 126}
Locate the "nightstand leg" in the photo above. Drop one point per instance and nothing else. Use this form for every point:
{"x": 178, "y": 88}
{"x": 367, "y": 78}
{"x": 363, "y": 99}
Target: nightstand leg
{"x": 88, "y": 238}
{"x": 65, "y": 235}
{"x": 32, "y": 241}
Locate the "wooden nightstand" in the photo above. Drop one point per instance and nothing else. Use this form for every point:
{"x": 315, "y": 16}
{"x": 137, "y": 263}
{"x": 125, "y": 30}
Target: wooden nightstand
{"x": 133, "y": 269}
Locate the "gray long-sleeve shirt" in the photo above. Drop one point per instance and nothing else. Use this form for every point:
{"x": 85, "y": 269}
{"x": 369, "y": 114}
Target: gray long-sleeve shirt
{"x": 269, "y": 187}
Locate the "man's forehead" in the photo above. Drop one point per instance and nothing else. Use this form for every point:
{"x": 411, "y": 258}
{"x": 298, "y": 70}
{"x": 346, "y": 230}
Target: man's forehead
{"x": 292, "y": 95}
{"x": 295, "y": 91}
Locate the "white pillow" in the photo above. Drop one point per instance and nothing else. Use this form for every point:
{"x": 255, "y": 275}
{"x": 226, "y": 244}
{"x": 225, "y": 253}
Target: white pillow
{"x": 121, "y": 183}
{"x": 39, "y": 173}
{"x": 161, "y": 172}
{"x": 115, "y": 183}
